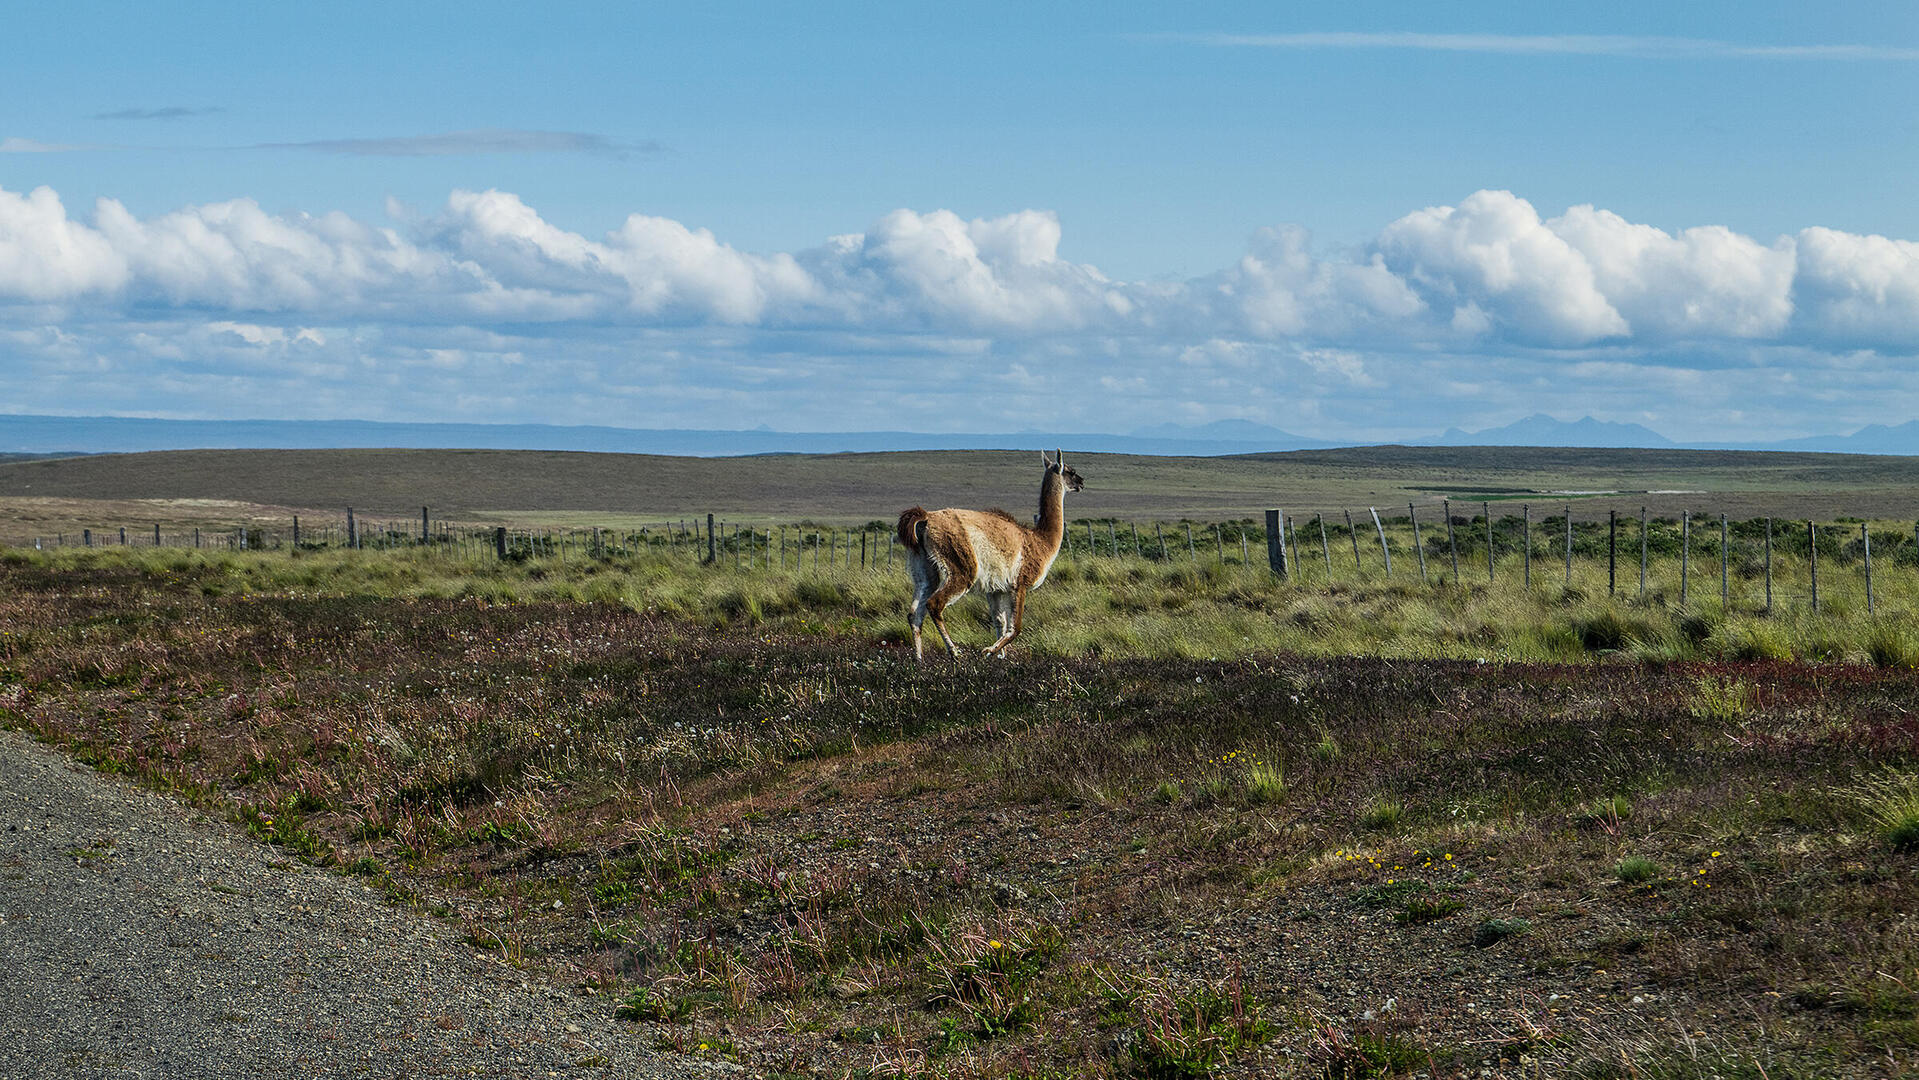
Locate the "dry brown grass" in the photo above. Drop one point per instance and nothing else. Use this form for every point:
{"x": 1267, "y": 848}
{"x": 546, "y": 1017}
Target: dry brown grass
{"x": 852, "y": 488}
{"x": 799, "y": 850}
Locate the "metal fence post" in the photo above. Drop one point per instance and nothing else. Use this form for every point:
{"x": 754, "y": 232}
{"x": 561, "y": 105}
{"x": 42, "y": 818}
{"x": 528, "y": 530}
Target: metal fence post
{"x": 1768, "y": 566}
{"x": 1865, "y": 537}
{"x": 1569, "y": 543}
{"x": 1489, "y": 542}
{"x": 1418, "y": 547}
{"x": 1812, "y": 547}
{"x": 1642, "y": 553}
{"x": 1383, "y": 549}
{"x": 1526, "y": 512}
{"x": 1452, "y": 543}
{"x": 1685, "y": 554}
{"x": 1612, "y": 552}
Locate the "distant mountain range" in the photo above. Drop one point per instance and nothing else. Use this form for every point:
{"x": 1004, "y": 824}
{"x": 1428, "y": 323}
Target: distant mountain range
{"x": 1542, "y": 430}
{"x": 22, "y": 433}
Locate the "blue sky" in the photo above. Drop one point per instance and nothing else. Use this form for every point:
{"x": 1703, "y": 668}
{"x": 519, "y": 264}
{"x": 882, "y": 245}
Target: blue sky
{"x": 1347, "y": 222}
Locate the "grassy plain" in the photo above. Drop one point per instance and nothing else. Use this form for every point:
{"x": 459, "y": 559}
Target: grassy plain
{"x": 1204, "y": 820}
{"x": 555, "y": 488}
{"x": 774, "y": 842}
{"x": 1214, "y": 599}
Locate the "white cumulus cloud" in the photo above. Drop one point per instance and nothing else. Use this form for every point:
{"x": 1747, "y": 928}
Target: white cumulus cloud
{"x": 46, "y": 256}
{"x": 938, "y": 269}
{"x": 1861, "y": 290}
{"x": 1488, "y": 271}
{"x": 1704, "y": 282}
{"x": 1279, "y": 288}
{"x": 1494, "y": 252}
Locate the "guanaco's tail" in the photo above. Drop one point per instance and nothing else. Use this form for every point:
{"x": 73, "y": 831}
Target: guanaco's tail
{"x": 913, "y": 529}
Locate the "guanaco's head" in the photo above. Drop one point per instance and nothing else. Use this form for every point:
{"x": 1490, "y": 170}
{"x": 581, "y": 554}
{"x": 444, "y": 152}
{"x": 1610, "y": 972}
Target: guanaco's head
{"x": 1066, "y": 472}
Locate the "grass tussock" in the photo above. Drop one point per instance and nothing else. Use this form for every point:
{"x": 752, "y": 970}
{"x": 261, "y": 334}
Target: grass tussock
{"x": 1891, "y": 804}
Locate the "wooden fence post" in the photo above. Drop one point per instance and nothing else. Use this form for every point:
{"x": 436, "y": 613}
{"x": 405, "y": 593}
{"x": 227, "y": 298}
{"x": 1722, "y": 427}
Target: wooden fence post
{"x": 296, "y": 531}
{"x": 352, "y": 531}
{"x": 1383, "y": 549}
{"x": 1725, "y": 591}
{"x": 1325, "y": 548}
{"x": 1452, "y": 544}
{"x": 712, "y": 550}
{"x": 1353, "y": 535}
{"x": 1275, "y": 543}
{"x": 86, "y": 537}
{"x": 1418, "y": 547}
{"x": 1812, "y": 545}
{"x": 156, "y": 534}
{"x": 1191, "y": 552}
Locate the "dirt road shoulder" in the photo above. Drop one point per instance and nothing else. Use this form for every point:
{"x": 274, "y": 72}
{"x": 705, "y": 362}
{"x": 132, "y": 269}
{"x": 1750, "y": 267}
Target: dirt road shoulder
{"x": 141, "y": 938}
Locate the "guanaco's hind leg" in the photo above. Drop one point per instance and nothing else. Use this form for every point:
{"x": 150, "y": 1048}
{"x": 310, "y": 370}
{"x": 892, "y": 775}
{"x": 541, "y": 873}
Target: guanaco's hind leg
{"x": 939, "y": 623}
{"x": 916, "y": 615}
{"x": 949, "y": 591}
{"x": 1010, "y": 614}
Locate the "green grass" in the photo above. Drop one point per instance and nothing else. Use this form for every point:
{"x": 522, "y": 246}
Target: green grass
{"x": 1116, "y": 606}
{"x": 1493, "y": 931}
{"x": 1265, "y": 783}
{"x": 1635, "y": 870}
{"x": 1382, "y": 814}
{"x": 1891, "y": 803}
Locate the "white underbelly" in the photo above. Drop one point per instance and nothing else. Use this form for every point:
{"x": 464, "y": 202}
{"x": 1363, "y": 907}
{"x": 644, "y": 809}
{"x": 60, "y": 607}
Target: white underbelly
{"x": 998, "y": 570}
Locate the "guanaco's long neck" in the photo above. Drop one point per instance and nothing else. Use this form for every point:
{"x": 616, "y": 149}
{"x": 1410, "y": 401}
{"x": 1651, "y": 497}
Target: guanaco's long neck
{"x": 1052, "y": 510}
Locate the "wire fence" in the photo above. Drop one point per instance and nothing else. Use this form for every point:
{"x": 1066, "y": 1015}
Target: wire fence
{"x": 1692, "y": 559}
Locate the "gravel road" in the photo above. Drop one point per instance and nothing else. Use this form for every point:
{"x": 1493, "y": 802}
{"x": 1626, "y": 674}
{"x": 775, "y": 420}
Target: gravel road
{"x": 140, "y": 938}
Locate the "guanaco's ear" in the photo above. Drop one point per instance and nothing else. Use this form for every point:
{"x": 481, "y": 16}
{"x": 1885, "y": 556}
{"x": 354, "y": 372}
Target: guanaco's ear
{"x": 1052, "y": 465}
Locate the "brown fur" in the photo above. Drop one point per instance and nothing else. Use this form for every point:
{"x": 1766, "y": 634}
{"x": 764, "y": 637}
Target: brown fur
{"x": 912, "y": 527}
{"x": 950, "y": 551}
